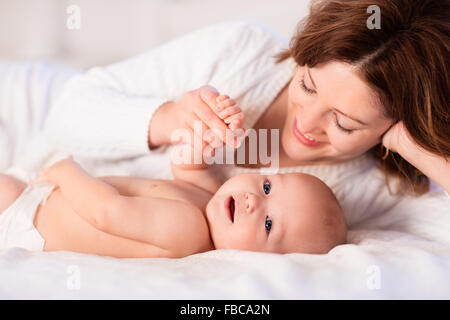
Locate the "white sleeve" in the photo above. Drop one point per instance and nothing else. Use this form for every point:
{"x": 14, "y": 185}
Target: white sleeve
{"x": 105, "y": 112}
{"x": 365, "y": 195}
{"x": 369, "y": 203}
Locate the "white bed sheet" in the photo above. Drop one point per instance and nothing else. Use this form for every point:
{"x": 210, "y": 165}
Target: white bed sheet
{"x": 406, "y": 256}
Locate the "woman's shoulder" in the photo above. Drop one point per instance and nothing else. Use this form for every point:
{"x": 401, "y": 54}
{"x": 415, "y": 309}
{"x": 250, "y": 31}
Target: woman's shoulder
{"x": 244, "y": 28}
{"x": 234, "y": 38}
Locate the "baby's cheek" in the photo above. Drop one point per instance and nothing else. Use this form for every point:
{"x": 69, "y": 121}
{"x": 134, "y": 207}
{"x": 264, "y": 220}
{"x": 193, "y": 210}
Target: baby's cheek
{"x": 244, "y": 239}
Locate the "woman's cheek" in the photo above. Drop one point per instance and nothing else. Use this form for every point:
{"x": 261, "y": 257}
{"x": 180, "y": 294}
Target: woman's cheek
{"x": 346, "y": 143}
{"x": 353, "y": 144}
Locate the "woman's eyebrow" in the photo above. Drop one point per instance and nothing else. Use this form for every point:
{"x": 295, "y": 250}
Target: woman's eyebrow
{"x": 334, "y": 108}
{"x": 346, "y": 115}
{"x": 310, "y": 77}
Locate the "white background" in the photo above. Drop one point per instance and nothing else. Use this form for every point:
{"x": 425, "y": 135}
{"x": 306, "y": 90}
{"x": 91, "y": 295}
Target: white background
{"x": 113, "y": 30}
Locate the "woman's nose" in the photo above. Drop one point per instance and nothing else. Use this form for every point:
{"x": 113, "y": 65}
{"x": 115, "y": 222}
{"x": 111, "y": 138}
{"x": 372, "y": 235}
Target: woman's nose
{"x": 309, "y": 120}
{"x": 251, "y": 202}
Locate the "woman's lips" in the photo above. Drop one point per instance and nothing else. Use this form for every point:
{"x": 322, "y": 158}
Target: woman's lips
{"x": 301, "y": 137}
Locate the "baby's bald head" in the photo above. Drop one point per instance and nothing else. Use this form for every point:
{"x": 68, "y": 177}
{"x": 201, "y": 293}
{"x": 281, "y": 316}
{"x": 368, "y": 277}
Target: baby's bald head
{"x": 281, "y": 213}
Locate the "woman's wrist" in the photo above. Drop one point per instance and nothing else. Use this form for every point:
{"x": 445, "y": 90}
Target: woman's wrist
{"x": 158, "y": 131}
{"x": 432, "y": 165}
{"x": 408, "y": 149}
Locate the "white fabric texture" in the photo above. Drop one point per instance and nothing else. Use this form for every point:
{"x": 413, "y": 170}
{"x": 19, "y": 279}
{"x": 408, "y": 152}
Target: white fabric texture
{"x": 16, "y": 222}
{"x": 398, "y": 247}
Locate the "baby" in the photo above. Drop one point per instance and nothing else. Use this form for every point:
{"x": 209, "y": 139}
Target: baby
{"x": 67, "y": 209}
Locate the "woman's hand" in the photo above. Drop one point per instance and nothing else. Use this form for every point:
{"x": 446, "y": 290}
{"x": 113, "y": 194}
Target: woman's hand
{"x": 436, "y": 167}
{"x": 193, "y": 107}
{"x": 397, "y": 139}
{"x": 191, "y": 154}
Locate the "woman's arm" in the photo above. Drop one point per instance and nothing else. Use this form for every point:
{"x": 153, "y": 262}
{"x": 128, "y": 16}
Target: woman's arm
{"x": 189, "y": 156}
{"x": 433, "y": 166}
{"x": 107, "y": 112}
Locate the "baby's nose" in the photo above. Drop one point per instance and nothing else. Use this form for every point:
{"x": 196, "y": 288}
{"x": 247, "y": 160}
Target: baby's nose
{"x": 251, "y": 202}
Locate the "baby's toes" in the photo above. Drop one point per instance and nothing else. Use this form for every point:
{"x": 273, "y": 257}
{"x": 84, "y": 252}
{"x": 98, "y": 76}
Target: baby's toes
{"x": 230, "y": 111}
{"x": 225, "y": 104}
{"x": 221, "y": 102}
{"x": 222, "y": 97}
{"x": 236, "y": 119}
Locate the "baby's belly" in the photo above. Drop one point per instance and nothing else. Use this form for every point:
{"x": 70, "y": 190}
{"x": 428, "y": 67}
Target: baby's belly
{"x": 63, "y": 229}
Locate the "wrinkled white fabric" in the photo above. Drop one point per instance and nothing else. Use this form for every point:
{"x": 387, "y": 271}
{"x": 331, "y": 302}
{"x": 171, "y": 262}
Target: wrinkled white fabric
{"x": 16, "y": 222}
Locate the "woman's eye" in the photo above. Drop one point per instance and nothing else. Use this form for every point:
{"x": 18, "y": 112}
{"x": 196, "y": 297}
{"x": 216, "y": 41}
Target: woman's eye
{"x": 268, "y": 224}
{"x": 305, "y": 88}
{"x": 267, "y": 187}
{"x": 348, "y": 131}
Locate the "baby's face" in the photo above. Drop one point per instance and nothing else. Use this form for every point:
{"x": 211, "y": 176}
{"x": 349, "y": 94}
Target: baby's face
{"x": 275, "y": 213}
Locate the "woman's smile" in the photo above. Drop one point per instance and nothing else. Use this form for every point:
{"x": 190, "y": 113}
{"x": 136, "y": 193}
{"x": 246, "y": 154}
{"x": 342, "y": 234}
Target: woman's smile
{"x": 303, "y": 138}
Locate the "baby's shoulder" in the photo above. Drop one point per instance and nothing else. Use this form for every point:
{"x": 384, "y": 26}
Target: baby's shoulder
{"x": 158, "y": 188}
{"x": 182, "y": 191}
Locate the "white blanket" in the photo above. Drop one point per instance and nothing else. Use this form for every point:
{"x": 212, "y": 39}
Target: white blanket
{"x": 395, "y": 256}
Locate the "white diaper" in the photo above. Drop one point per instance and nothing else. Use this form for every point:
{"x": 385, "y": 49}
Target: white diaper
{"x": 16, "y": 222}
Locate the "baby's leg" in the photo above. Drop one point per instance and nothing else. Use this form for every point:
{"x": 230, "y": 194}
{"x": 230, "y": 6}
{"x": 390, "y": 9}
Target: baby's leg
{"x": 10, "y": 190}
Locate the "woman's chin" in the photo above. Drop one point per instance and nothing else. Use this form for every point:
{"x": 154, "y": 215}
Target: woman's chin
{"x": 294, "y": 150}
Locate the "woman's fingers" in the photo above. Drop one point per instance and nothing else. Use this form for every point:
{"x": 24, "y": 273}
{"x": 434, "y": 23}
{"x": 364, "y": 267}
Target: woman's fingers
{"x": 191, "y": 149}
{"x": 208, "y": 112}
{"x": 206, "y": 115}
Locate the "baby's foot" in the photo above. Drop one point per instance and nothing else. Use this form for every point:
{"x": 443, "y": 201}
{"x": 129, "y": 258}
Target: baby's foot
{"x": 232, "y": 115}
{"x": 229, "y": 112}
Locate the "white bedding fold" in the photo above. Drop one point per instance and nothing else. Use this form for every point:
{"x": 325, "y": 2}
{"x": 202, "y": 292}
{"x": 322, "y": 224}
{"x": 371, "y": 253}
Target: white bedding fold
{"x": 409, "y": 260}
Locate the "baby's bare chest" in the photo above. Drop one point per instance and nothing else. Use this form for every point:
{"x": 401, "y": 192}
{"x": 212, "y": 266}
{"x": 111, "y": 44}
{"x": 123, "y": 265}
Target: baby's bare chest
{"x": 166, "y": 189}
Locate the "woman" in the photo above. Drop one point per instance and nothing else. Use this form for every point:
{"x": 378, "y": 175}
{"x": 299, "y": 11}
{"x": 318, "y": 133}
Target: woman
{"x": 346, "y": 99}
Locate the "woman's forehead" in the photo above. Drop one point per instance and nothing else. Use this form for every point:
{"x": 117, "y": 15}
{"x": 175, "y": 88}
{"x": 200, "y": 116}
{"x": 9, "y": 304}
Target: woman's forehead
{"x": 340, "y": 86}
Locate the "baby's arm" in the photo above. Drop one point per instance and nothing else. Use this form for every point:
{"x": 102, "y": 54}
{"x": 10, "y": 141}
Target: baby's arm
{"x": 199, "y": 174}
{"x": 175, "y": 226}
{"x": 84, "y": 193}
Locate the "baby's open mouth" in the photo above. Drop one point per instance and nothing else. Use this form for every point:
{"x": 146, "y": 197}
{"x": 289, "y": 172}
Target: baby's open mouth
{"x": 231, "y": 208}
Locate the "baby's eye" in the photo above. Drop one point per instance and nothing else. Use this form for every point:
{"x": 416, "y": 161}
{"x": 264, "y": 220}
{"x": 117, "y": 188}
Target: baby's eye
{"x": 267, "y": 187}
{"x": 268, "y": 224}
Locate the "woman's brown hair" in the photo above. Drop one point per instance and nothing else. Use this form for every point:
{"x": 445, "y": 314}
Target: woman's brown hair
{"x": 406, "y": 63}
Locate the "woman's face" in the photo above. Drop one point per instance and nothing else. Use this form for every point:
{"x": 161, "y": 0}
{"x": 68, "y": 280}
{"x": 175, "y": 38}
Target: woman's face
{"x": 332, "y": 115}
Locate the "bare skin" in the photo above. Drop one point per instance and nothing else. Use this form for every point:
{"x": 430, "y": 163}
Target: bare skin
{"x": 135, "y": 217}
{"x": 70, "y": 232}
{"x": 183, "y": 227}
